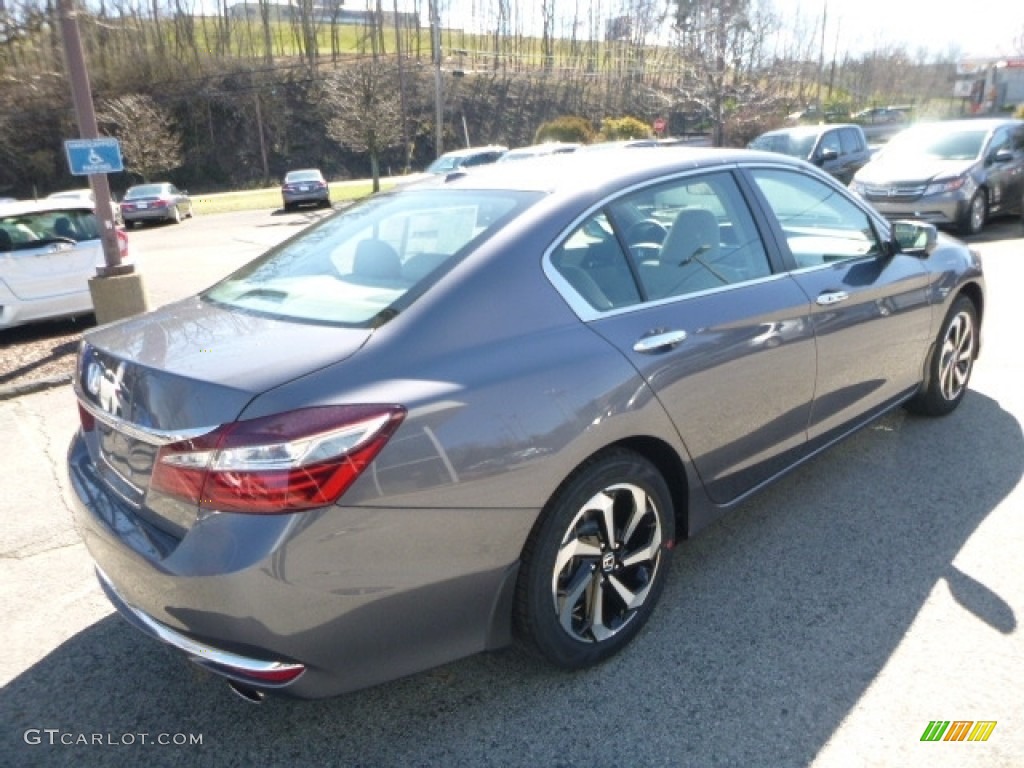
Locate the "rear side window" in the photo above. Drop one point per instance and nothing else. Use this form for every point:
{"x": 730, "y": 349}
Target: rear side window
{"x": 670, "y": 240}
{"x": 851, "y": 141}
{"x": 360, "y": 267}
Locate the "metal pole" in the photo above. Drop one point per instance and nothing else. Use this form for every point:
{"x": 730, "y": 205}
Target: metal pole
{"x": 85, "y": 116}
{"x": 435, "y": 28}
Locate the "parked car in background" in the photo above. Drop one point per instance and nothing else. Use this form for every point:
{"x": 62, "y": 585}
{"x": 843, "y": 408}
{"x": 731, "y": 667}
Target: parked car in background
{"x": 539, "y": 150}
{"x": 839, "y": 149}
{"x": 161, "y": 201}
{"x": 882, "y": 115}
{"x": 466, "y": 158}
{"x": 89, "y": 196}
{"x": 49, "y": 249}
{"x": 953, "y": 174}
{"x": 450, "y": 416}
{"x": 305, "y": 186}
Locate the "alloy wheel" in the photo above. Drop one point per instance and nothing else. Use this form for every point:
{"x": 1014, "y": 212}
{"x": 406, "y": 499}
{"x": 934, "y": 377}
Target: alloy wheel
{"x": 957, "y": 356}
{"x": 607, "y": 562}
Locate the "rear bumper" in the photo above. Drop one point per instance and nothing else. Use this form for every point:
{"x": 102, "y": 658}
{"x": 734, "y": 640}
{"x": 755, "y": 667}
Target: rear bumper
{"x": 357, "y": 596}
{"x": 15, "y": 311}
{"x": 148, "y": 214}
{"x": 315, "y": 196}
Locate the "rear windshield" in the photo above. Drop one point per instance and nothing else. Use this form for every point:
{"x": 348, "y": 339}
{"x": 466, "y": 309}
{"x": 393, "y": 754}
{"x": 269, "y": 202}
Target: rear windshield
{"x": 303, "y": 176}
{"x": 34, "y": 230}
{"x": 358, "y": 268}
{"x": 146, "y": 190}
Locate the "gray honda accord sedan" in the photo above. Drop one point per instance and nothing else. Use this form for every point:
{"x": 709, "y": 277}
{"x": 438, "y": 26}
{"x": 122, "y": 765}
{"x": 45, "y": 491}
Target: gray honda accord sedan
{"x": 487, "y": 409}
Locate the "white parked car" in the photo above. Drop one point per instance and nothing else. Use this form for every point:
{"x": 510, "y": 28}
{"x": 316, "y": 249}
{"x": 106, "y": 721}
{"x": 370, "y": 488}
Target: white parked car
{"x": 48, "y": 251}
{"x": 86, "y": 195}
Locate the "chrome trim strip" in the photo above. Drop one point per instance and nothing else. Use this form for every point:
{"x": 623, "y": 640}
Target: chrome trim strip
{"x": 198, "y": 652}
{"x": 151, "y": 436}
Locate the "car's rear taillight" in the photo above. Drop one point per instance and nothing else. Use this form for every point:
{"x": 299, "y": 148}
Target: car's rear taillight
{"x": 283, "y": 463}
{"x": 122, "y": 242}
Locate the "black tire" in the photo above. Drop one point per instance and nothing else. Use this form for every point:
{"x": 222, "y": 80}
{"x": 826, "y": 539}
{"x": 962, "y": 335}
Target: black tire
{"x": 976, "y": 214}
{"x": 571, "y": 604}
{"x": 176, "y": 215}
{"x": 951, "y": 363}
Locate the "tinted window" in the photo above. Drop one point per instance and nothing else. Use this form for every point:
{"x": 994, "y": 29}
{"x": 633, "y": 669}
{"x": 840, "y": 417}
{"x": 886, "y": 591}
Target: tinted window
{"x": 355, "y": 268}
{"x": 819, "y": 223}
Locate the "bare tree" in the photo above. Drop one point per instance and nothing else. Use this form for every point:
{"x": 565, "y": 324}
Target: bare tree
{"x": 149, "y": 143}
{"x": 363, "y": 110}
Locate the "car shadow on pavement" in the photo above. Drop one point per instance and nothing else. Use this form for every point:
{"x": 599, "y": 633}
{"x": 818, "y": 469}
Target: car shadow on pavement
{"x": 774, "y": 623}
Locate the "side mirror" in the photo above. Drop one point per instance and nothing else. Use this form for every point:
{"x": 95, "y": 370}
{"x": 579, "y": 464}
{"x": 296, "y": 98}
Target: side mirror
{"x": 916, "y": 238}
{"x": 826, "y": 155}
{"x": 1003, "y": 155}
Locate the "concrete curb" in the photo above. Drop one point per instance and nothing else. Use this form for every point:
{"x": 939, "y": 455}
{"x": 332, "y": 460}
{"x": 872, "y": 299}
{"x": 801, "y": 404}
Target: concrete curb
{"x": 36, "y": 385}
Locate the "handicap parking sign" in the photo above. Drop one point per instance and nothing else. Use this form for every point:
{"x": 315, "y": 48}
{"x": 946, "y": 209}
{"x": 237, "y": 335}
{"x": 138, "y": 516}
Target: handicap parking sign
{"x": 88, "y": 156}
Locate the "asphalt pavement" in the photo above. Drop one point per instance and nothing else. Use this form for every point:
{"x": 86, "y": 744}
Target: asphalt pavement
{"x": 825, "y": 623}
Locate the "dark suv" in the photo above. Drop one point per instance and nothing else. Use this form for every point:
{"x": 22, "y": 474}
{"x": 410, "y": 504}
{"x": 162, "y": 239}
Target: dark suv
{"x": 840, "y": 148}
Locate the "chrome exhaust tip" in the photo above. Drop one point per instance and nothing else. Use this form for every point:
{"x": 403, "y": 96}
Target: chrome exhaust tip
{"x": 251, "y": 695}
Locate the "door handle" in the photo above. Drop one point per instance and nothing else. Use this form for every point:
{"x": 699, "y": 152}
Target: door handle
{"x": 658, "y": 342}
{"x": 831, "y": 297}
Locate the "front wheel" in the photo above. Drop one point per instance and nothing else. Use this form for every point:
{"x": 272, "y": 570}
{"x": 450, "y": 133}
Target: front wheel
{"x": 596, "y": 561}
{"x": 975, "y": 215}
{"x": 951, "y": 363}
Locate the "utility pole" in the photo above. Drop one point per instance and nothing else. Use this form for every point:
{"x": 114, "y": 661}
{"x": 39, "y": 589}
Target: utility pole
{"x": 435, "y": 32}
{"x": 821, "y": 55}
{"x": 124, "y": 294}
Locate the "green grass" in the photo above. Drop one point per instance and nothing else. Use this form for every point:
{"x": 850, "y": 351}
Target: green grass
{"x": 270, "y": 198}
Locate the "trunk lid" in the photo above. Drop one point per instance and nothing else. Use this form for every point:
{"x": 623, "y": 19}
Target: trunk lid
{"x": 180, "y": 372}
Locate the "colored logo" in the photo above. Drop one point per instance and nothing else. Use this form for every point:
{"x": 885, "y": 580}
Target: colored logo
{"x": 958, "y": 730}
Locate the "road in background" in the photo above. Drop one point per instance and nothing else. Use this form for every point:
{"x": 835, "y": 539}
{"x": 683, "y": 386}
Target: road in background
{"x": 824, "y": 623}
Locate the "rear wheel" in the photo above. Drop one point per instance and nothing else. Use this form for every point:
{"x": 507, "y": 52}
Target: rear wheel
{"x": 176, "y": 214}
{"x": 596, "y": 562}
{"x": 951, "y": 363}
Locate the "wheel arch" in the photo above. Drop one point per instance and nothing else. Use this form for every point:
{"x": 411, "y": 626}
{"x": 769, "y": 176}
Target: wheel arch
{"x": 973, "y": 292}
{"x": 673, "y": 471}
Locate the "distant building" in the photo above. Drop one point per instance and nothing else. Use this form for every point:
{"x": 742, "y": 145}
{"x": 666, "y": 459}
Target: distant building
{"x": 990, "y": 84}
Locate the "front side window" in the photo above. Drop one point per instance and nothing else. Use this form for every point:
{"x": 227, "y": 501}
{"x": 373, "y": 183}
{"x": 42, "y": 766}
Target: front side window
{"x": 820, "y": 224}
{"x": 830, "y": 141}
{"x": 673, "y": 239}
{"x": 362, "y": 266}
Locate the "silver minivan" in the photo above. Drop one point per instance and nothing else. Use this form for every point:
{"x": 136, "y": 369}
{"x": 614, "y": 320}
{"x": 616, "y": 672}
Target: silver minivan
{"x": 956, "y": 173}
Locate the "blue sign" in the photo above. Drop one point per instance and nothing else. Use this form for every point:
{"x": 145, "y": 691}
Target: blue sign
{"x": 89, "y": 156}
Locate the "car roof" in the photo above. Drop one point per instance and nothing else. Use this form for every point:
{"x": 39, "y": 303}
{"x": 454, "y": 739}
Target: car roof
{"x": 21, "y": 207}
{"x": 808, "y": 130}
{"x": 984, "y": 123}
{"x": 304, "y": 170}
{"x": 618, "y": 169}
{"x": 469, "y": 151}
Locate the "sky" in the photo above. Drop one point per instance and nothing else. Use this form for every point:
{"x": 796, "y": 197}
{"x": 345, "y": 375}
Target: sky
{"x": 974, "y": 27}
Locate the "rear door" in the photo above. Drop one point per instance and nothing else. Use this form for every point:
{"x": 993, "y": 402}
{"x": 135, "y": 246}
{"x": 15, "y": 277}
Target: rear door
{"x": 52, "y": 253}
{"x": 721, "y": 336}
{"x": 870, "y": 312}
